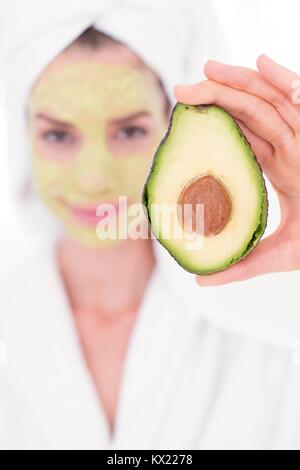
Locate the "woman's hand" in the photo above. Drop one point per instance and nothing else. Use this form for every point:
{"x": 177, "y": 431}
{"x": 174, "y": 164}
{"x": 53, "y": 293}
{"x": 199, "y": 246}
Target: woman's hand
{"x": 266, "y": 104}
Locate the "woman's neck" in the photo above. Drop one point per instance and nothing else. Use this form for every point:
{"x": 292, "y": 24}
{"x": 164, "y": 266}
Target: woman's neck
{"x": 109, "y": 280}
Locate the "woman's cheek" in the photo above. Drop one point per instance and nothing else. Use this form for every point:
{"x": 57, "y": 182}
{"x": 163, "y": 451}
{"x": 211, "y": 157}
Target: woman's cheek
{"x": 133, "y": 174}
{"x": 135, "y": 168}
{"x": 50, "y": 177}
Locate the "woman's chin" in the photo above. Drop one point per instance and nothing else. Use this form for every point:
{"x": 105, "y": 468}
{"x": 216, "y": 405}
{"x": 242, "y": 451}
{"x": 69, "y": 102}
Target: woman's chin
{"x": 88, "y": 237}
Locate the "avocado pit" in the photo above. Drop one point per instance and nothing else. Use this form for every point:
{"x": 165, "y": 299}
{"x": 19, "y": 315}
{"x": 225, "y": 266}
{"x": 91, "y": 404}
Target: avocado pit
{"x": 210, "y": 192}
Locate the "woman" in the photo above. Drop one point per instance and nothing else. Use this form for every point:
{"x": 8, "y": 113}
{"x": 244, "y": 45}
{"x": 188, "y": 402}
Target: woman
{"x": 101, "y": 353}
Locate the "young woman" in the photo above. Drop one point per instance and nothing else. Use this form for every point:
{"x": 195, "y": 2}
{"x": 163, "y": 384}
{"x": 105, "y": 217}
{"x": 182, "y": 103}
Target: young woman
{"x": 101, "y": 353}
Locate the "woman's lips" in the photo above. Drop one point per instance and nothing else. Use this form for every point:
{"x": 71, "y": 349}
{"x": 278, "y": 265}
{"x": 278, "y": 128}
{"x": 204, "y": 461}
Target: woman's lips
{"x": 88, "y": 215}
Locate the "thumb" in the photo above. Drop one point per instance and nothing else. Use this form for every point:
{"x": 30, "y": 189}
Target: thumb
{"x": 266, "y": 258}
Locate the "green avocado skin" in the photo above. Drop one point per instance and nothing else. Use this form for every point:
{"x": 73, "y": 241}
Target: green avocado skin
{"x": 262, "y": 223}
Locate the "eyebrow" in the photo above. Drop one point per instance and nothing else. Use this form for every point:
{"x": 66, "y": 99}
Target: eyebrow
{"x": 118, "y": 121}
{"x": 56, "y": 122}
{"x": 131, "y": 117}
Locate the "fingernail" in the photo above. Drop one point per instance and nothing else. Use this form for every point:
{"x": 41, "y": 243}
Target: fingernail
{"x": 217, "y": 62}
{"x": 211, "y": 61}
{"x": 265, "y": 56}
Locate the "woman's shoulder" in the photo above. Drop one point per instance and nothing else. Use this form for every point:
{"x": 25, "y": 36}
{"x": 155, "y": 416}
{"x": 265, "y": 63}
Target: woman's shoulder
{"x": 35, "y": 268}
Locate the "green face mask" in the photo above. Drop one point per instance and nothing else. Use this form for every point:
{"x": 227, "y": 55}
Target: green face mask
{"x": 94, "y": 126}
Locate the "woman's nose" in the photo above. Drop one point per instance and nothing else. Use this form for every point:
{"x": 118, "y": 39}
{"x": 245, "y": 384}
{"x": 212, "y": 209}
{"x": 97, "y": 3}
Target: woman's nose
{"x": 94, "y": 169}
{"x": 93, "y": 183}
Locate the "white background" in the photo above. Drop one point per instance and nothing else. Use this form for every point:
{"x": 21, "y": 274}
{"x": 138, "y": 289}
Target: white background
{"x": 269, "y": 26}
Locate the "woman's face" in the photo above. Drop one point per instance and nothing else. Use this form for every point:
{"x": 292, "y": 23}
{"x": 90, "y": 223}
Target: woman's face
{"x": 95, "y": 120}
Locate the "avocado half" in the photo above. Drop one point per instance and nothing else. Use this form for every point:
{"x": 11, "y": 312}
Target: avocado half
{"x": 205, "y": 197}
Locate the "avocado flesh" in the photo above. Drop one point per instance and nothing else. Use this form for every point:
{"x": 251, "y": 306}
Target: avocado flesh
{"x": 206, "y": 140}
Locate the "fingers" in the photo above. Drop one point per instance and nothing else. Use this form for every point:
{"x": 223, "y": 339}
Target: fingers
{"x": 259, "y": 116}
{"x": 273, "y": 254}
{"x": 252, "y": 82}
{"x": 259, "y": 262}
{"x": 261, "y": 148}
{"x": 280, "y": 77}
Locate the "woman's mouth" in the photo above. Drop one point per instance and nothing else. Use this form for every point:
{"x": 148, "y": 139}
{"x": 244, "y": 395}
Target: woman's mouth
{"x": 87, "y": 215}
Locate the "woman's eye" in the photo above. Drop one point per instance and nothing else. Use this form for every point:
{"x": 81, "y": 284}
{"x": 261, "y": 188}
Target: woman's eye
{"x": 131, "y": 133}
{"x": 57, "y": 137}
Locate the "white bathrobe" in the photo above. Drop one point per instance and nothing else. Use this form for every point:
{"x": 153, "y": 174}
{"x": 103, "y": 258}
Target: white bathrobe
{"x": 187, "y": 384}
{"x": 206, "y": 368}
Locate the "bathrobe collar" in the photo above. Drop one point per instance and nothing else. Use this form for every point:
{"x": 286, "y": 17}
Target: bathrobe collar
{"x": 46, "y": 363}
